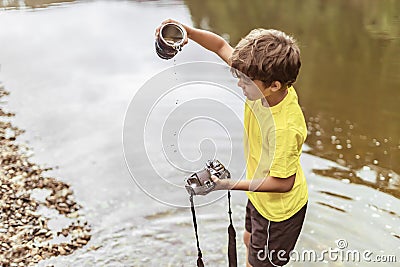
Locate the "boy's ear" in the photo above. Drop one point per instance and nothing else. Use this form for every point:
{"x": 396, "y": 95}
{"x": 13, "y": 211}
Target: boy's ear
{"x": 276, "y": 86}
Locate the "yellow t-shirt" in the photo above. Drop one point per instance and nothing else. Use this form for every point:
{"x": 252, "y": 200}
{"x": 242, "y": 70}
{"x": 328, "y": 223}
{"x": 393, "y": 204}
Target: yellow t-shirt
{"x": 273, "y": 143}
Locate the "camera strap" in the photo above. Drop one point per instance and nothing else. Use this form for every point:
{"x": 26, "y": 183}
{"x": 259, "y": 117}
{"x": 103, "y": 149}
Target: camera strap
{"x": 199, "y": 254}
{"x": 232, "y": 255}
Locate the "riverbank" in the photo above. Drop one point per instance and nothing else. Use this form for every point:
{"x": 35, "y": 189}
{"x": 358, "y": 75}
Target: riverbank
{"x": 27, "y": 196}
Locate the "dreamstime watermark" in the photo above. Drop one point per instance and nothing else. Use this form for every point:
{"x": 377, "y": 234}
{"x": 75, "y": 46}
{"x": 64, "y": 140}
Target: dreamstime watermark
{"x": 340, "y": 253}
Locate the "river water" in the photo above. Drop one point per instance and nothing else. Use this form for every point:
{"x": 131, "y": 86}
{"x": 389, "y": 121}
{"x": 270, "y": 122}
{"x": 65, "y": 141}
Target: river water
{"x": 73, "y": 67}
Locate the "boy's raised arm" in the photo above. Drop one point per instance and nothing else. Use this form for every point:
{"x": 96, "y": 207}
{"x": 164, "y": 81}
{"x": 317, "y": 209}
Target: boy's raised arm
{"x": 212, "y": 42}
{"x": 206, "y": 39}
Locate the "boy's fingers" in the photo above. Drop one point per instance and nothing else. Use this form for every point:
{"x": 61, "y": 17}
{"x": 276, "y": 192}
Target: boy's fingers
{"x": 162, "y": 23}
{"x": 168, "y": 21}
{"x": 214, "y": 178}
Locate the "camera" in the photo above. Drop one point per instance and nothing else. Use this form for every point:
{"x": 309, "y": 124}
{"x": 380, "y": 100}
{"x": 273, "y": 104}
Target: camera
{"x": 200, "y": 183}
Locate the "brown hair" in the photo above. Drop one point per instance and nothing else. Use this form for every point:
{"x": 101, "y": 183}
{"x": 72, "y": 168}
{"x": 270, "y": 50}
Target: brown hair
{"x": 268, "y": 56}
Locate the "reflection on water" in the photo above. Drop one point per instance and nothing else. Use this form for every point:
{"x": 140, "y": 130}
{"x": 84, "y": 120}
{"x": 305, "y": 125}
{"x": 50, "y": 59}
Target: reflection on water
{"x": 369, "y": 161}
{"x": 349, "y": 89}
{"x": 16, "y": 4}
{"x": 367, "y": 177}
{"x": 349, "y": 81}
{"x": 330, "y": 206}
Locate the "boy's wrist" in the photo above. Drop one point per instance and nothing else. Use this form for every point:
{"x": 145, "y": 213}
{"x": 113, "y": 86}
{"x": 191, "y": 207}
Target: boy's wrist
{"x": 189, "y": 31}
{"x": 227, "y": 184}
{"x": 222, "y": 184}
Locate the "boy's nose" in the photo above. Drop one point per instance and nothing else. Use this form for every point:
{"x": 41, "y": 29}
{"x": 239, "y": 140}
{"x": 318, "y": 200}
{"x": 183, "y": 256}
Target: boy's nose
{"x": 240, "y": 83}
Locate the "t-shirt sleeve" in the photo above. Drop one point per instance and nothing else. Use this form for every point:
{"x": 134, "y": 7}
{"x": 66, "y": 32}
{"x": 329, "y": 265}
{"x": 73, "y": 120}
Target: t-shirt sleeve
{"x": 285, "y": 150}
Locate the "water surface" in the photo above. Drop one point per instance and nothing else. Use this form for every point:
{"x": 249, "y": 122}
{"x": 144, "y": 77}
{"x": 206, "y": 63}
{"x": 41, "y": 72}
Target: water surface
{"x": 72, "y": 68}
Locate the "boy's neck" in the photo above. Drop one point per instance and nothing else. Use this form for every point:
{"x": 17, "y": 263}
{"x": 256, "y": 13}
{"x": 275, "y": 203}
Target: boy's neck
{"x": 274, "y": 98}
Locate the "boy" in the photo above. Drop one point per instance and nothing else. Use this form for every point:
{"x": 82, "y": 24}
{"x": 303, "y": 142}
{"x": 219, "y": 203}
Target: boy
{"x": 267, "y": 63}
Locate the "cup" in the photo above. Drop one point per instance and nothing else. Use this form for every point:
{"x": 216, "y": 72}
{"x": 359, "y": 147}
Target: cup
{"x": 170, "y": 40}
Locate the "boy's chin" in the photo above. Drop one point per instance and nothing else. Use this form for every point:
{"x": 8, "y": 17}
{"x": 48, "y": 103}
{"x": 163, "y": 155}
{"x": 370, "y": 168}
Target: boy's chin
{"x": 252, "y": 98}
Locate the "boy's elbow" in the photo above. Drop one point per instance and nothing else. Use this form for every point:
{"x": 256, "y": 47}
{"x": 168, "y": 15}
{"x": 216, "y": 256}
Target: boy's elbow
{"x": 286, "y": 188}
{"x": 286, "y": 184}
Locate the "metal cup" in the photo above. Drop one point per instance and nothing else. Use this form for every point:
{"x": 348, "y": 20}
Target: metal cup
{"x": 170, "y": 40}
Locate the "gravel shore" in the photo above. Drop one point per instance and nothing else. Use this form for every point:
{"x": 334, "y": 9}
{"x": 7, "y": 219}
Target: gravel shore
{"x": 25, "y": 235}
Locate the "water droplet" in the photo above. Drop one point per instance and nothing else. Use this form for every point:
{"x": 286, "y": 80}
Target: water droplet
{"x": 348, "y": 141}
{"x": 375, "y": 162}
{"x": 357, "y": 156}
{"x": 339, "y": 147}
{"x": 385, "y": 140}
{"x": 319, "y": 142}
{"x": 348, "y": 145}
{"x": 377, "y": 143}
{"x": 318, "y": 133}
{"x": 340, "y": 156}
{"x": 385, "y": 152}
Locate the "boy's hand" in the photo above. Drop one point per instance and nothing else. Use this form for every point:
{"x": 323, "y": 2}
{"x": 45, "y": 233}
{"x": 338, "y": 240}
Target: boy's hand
{"x": 157, "y": 33}
{"x": 221, "y": 184}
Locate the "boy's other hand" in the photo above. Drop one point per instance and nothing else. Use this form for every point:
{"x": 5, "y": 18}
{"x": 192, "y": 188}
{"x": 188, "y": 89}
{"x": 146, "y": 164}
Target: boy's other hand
{"x": 221, "y": 184}
{"x": 157, "y": 33}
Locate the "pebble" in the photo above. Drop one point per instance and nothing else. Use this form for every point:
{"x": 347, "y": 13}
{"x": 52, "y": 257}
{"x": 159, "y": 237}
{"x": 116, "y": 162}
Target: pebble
{"x": 24, "y": 235}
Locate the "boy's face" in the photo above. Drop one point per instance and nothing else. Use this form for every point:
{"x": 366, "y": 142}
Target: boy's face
{"x": 252, "y": 89}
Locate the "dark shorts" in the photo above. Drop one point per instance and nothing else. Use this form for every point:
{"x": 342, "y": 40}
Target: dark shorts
{"x": 272, "y": 241}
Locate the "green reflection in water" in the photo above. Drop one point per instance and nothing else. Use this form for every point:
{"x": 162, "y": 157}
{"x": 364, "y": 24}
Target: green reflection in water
{"x": 349, "y": 85}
